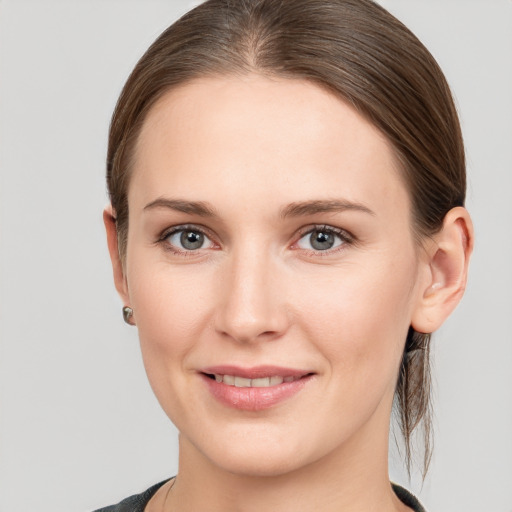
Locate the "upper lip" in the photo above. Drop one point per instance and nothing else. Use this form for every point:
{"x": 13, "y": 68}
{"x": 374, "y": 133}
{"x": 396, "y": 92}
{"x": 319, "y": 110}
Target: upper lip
{"x": 255, "y": 372}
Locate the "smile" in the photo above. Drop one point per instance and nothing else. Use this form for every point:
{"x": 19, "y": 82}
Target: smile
{"x": 262, "y": 382}
{"x": 254, "y": 389}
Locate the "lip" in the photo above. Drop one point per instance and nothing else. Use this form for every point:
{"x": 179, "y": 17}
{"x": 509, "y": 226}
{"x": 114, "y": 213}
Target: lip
{"x": 254, "y": 398}
{"x": 255, "y": 372}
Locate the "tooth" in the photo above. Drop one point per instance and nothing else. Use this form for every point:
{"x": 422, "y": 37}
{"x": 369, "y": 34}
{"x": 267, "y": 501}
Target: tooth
{"x": 229, "y": 380}
{"x": 242, "y": 382}
{"x": 289, "y": 379}
{"x": 218, "y": 378}
{"x": 276, "y": 380}
{"x": 260, "y": 383}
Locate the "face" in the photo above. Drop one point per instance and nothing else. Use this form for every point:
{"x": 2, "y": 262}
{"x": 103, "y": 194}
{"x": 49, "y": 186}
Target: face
{"x": 272, "y": 272}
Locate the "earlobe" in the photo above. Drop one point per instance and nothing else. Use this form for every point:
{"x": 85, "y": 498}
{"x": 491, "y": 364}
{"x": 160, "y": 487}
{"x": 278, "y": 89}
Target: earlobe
{"x": 447, "y": 262}
{"x": 117, "y": 266}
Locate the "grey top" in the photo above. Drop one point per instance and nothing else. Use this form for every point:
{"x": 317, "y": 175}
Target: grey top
{"x": 138, "y": 502}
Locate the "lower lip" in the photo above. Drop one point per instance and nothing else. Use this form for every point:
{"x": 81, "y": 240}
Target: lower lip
{"x": 254, "y": 399}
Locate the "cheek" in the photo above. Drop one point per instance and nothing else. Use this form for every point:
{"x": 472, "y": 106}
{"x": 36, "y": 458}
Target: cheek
{"x": 360, "y": 318}
{"x": 170, "y": 314}
{"x": 169, "y": 305}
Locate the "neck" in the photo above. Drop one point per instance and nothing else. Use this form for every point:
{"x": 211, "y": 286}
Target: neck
{"x": 353, "y": 478}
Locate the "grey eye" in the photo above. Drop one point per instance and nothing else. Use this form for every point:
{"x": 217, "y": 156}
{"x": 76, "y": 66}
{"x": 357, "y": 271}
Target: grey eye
{"x": 320, "y": 240}
{"x": 189, "y": 239}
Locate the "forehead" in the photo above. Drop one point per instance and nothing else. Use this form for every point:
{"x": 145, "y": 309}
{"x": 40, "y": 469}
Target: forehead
{"x": 281, "y": 138}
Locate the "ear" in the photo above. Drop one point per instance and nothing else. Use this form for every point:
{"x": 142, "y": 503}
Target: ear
{"x": 117, "y": 266}
{"x": 446, "y": 268}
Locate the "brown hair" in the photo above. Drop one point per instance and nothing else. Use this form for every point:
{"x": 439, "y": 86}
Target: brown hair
{"x": 358, "y": 51}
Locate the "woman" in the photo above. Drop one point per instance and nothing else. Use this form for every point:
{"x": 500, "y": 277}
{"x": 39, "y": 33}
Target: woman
{"x": 287, "y": 227}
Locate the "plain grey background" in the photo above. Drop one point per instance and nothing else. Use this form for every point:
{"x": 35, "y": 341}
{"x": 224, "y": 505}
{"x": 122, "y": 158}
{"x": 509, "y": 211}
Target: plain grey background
{"x": 79, "y": 426}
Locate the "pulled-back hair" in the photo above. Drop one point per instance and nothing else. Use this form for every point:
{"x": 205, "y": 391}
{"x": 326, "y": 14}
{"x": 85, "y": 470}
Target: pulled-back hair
{"x": 359, "y": 52}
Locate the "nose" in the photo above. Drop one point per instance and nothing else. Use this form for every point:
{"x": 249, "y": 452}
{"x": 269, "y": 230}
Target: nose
{"x": 251, "y": 301}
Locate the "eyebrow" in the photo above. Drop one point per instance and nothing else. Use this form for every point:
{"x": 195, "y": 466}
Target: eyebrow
{"x": 297, "y": 209}
{"x": 322, "y": 206}
{"x": 192, "y": 207}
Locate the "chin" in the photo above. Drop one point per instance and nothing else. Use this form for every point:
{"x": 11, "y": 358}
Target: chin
{"x": 260, "y": 454}
{"x": 261, "y": 464}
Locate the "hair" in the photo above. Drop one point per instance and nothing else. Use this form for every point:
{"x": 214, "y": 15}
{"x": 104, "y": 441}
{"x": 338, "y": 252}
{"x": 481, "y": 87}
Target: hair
{"x": 363, "y": 55}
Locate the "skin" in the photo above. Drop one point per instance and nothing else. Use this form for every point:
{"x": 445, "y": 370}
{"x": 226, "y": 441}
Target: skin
{"x": 258, "y": 293}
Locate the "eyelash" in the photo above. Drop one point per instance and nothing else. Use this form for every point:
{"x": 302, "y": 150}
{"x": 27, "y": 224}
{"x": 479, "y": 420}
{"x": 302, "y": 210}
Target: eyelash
{"x": 346, "y": 239}
{"x": 163, "y": 238}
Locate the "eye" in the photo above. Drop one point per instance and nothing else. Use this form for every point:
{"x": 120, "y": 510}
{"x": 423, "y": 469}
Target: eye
{"x": 322, "y": 238}
{"x": 187, "y": 239}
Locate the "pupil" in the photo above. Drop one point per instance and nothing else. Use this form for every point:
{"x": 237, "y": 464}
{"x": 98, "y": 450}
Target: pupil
{"x": 191, "y": 240}
{"x": 320, "y": 240}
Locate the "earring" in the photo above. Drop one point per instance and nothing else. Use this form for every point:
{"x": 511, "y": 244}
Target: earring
{"x": 128, "y": 315}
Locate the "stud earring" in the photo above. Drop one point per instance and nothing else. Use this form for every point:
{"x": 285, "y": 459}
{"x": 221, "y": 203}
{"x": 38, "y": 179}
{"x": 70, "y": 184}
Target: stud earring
{"x": 128, "y": 315}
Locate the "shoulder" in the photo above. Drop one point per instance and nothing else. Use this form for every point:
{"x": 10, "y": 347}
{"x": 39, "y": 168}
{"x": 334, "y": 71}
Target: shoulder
{"x": 135, "y": 503}
{"x": 408, "y": 499}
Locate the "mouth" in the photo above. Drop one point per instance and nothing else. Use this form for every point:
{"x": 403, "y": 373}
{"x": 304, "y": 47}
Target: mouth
{"x": 260, "y": 382}
{"x": 254, "y": 389}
